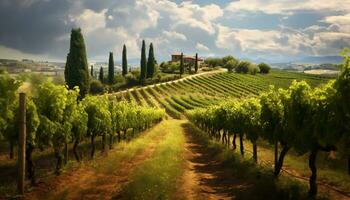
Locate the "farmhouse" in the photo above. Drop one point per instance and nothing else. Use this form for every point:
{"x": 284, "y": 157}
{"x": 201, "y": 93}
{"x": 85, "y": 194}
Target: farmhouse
{"x": 187, "y": 59}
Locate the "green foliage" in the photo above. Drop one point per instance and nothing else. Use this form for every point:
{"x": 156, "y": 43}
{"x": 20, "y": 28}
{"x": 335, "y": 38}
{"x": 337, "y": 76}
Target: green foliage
{"x": 342, "y": 86}
{"x": 213, "y": 62}
{"x": 92, "y": 71}
{"x": 8, "y": 97}
{"x": 182, "y": 67}
{"x": 51, "y": 102}
{"x": 99, "y": 117}
{"x": 298, "y": 117}
{"x": 196, "y": 64}
{"x": 151, "y": 62}
{"x": 143, "y": 63}
{"x": 272, "y": 115}
{"x": 124, "y": 61}
{"x": 169, "y": 67}
{"x": 96, "y": 87}
{"x": 250, "y": 113}
{"x": 264, "y": 68}
{"x": 111, "y": 69}
{"x": 131, "y": 79}
{"x": 76, "y": 71}
{"x": 253, "y": 69}
{"x": 231, "y": 64}
{"x": 243, "y": 67}
{"x": 219, "y": 62}
{"x": 101, "y": 75}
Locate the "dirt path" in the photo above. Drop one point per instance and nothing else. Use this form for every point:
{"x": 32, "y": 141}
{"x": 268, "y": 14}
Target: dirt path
{"x": 204, "y": 177}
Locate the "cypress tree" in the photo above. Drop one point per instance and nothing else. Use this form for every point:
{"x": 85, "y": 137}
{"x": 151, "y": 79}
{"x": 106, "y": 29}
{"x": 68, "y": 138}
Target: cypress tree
{"x": 111, "y": 69}
{"x": 196, "y": 64}
{"x": 151, "y": 62}
{"x": 92, "y": 71}
{"x": 182, "y": 69}
{"x": 76, "y": 71}
{"x": 124, "y": 61}
{"x": 100, "y": 77}
{"x": 143, "y": 63}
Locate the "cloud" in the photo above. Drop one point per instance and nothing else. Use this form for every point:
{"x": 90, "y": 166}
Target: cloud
{"x": 201, "y": 47}
{"x": 249, "y": 28}
{"x": 339, "y": 23}
{"x": 175, "y": 35}
{"x": 288, "y": 7}
{"x": 90, "y": 20}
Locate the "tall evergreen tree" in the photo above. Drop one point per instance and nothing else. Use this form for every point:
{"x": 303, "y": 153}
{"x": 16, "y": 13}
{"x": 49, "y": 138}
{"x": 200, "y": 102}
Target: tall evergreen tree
{"x": 76, "y": 71}
{"x": 92, "y": 71}
{"x": 182, "y": 67}
{"x": 143, "y": 63}
{"x": 111, "y": 69}
{"x": 101, "y": 76}
{"x": 151, "y": 62}
{"x": 124, "y": 61}
{"x": 196, "y": 64}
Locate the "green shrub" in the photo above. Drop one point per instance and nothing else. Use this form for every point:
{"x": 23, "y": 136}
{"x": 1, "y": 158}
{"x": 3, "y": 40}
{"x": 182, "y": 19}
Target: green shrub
{"x": 96, "y": 87}
{"x": 243, "y": 67}
{"x": 119, "y": 79}
{"x": 131, "y": 79}
{"x": 169, "y": 67}
{"x": 264, "y": 68}
{"x": 231, "y": 64}
{"x": 253, "y": 69}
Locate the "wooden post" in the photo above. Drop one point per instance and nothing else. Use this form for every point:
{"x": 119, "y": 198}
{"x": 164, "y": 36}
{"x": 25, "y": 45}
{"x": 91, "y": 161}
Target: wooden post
{"x": 22, "y": 143}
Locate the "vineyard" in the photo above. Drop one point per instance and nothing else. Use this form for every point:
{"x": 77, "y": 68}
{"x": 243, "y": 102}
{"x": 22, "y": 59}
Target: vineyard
{"x": 200, "y": 91}
{"x": 223, "y": 105}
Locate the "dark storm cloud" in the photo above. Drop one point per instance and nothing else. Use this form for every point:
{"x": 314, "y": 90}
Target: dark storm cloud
{"x": 34, "y": 27}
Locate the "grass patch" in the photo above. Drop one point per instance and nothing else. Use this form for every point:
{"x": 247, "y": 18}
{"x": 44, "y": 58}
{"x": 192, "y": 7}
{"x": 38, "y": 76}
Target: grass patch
{"x": 156, "y": 177}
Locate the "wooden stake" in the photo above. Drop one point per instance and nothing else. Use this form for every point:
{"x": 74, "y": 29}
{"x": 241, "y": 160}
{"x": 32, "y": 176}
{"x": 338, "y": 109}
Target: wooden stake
{"x": 22, "y": 143}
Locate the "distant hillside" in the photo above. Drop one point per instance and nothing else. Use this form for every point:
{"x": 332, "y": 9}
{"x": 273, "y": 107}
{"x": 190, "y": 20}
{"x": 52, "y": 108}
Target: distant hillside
{"x": 320, "y": 59}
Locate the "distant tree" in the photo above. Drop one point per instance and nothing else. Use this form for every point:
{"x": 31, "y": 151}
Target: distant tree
{"x": 92, "y": 71}
{"x": 226, "y": 59}
{"x": 101, "y": 77}
{"x": 213, "y": 62}
{"x": 124, "y": 61}
{"x": 151, "y": 62}
{"x": 143, "y": 63}
{"x": 231, "y": 64}
{"x": 264, "y": 68}
{"x": 196, "y": 64}
{"x": 76, "y": 71}
{"x": 182, "y": 68}
{"x": 253, "y": 69}
{"x": 169, "y": 67}
{"x": 243, "y": 67}
{"x": 111, "y": 69}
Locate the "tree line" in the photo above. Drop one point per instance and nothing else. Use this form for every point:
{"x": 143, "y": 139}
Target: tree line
{"x": 77, "y": 72}
{"x": 309, "y": 120}
{"x": 57, "y": 117}
{"x": 240, "y": 66}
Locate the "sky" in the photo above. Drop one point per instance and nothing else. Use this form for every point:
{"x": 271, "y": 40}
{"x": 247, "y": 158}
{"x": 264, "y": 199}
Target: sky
{"x": 272, "y": 30}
